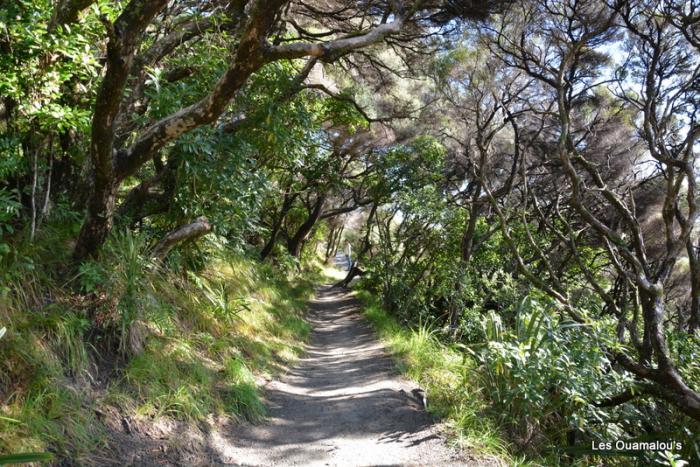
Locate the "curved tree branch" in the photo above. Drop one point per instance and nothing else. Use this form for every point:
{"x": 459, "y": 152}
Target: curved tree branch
{"x": 192, "y": 231}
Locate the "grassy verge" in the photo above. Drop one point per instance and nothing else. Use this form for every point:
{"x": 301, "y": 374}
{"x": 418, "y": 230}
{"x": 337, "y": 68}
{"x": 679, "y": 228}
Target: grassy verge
{"x": 238, "y": 323}
{"x": 190, "y": 346}
{"x": 446, "y": 375}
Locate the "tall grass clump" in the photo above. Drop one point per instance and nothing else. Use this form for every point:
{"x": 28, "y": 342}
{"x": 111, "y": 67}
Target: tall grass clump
{"x": 242, "y": 395}
{"x": 120, "y": 284}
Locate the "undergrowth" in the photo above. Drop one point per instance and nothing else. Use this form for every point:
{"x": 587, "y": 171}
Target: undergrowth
{"x": 470, "y": 390}
{"x": 444, "y": 373}
{"x": 123, "y": 335}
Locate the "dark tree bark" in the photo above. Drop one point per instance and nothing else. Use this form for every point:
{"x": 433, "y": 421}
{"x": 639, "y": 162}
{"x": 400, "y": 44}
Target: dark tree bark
{"x": 586, "y": 188}
{"x": 329, "y": 244}
{"x": 111, "y": 167}
{"x": 160, "y": 49}
{"x": 466, "y": 250}
{"x": 125, "y": 36}
{"x": 277, "y": 225}
{"x": 333, "y": 242}
{"x": 338, "y": 239}
{"x": 67, "y": 11}
{"x": 294, "y": 245}
{"x": 154, "y": 195}
{"x": 694, "y": 262}
{"x": 355, "y": 271}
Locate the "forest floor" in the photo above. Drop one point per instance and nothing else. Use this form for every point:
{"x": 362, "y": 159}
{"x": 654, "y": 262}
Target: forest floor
{"x": 342, "y": 404}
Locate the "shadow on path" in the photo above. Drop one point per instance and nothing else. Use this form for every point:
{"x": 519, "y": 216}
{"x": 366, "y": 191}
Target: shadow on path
{"x": 342, "y": 404}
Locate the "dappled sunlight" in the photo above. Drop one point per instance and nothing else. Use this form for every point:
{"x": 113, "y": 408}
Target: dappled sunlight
{"x": 501, "y": 198}
{"x": 343, "y": 403}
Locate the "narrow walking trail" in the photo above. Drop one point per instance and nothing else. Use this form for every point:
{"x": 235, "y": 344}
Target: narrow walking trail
{"x": 343, "y": 404}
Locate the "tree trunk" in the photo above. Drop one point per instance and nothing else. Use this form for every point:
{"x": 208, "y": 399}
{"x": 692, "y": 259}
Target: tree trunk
{"x": 467, "y": 247}
{"x": 277, "y": 226}
{"x": 35, "y": 181}
{"x": 67, "y": 12}
{"x": 329, "y": 245}
{"x": 333, "y": 242}
{"x": 98, "y": 222}
{"x": 694, "y": 262}
{"x": 352, "y": 273}
{"x": 152, "y": 196}
{"x": 125, "y": 37}
{"x": 294, "y": 245}
{"x": 694, "y": 322}
{"x": 47, "y": 191}
{"x": 338, "y": 239}
{"x": 250, "y": 54}
{"x": 672, "y": 386}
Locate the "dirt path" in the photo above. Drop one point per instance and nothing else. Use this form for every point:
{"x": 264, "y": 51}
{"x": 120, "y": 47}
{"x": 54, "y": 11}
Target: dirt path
{"x": 343, "y": 404}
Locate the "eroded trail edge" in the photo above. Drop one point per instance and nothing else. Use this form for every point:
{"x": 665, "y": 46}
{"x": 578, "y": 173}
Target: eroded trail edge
{"x": 342, "y": 404}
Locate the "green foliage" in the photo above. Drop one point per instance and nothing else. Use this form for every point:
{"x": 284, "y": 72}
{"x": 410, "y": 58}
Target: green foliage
{"x": 222, "y": 305}
{"x": 340, "y": 113}
{"x": 221, "y": 182}
{"x": 9, "y": 209}
{"x": 543, "y": 376}
{"x": 51, "y": 76}
{"x": 540, "y": 376}
{"x": 190, "y": 337}
{"x": 40, "y": 82}
{"x": 208, "y": 367}
{"x": 242, "y": 396}
{"x": 67, "y": 330}
{"x": 172, "y": 382}
{"x": 192, "y": 344}
{"x": 91, "y": 276}
{"x": 43, "y": 411}
{"x": 25, "y": 458}
{"x": 445, "y": 375}
{"x": 121, "y": 278}
{"x": 481, "y": 294}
